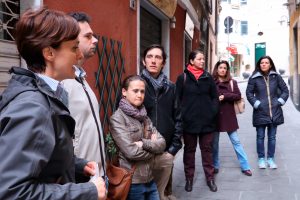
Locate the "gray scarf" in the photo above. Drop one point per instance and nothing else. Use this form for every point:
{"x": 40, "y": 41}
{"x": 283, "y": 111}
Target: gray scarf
{"x": 157, "y": 83}
{"x": 137, "y": 113}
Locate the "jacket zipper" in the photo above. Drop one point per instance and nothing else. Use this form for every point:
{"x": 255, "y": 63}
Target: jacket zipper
{"x": 269, "y": 98}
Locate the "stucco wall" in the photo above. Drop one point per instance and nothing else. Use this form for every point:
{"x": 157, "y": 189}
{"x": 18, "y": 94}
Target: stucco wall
{"x": 176, "y": 45}
{"x": 113, "y": 19}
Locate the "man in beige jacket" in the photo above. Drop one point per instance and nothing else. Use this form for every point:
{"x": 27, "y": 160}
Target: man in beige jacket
{"x": 88, "y": 128}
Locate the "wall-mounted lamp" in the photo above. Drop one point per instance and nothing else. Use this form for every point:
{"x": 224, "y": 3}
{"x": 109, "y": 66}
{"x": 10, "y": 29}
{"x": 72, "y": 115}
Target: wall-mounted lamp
{"x": 284, "y": 19}
{"x": 173, "y": 22}
{"x": 132, "y": 4}
{"x": 260, "y": 33}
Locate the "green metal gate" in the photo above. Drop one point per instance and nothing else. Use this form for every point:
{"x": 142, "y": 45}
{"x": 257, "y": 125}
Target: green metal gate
{"x": 108, "y": 77}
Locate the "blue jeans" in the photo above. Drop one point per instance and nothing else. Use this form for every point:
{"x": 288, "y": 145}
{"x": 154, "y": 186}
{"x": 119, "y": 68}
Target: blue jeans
{"x": 238, "y": 148}
{"x": 143, "y": 191}
{"x": 260, "y": 140}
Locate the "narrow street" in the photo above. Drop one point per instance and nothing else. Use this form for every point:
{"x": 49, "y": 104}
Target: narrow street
{"x": 265, "y": 184}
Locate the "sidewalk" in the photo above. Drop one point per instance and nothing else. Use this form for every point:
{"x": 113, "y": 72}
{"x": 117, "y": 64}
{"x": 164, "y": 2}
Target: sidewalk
{"x": 265, "y": 184}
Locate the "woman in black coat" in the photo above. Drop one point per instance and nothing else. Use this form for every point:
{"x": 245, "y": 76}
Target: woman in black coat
{"x": 266, "y": 92}
{"x": 227, "y": 122}
{"x": 198, "y": 97}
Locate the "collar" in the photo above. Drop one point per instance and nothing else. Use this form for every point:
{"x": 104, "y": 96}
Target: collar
{"x": 258, "y": 74}
{"x": 52, "y": 83}
{"x": 79, "y": 71}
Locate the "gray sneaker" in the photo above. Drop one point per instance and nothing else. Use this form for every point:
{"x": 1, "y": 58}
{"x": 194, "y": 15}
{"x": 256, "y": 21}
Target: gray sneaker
{"x": 271, "y": 163}
{"x": 262, "y": 163}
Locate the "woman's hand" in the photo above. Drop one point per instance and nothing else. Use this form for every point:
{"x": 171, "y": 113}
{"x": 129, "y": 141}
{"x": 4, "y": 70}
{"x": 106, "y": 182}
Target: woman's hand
{"x": 101, "y": 189}
{"x": 221, "y": 97}
{"x": 154, "y": 137}
{"x": 139, "y": 144}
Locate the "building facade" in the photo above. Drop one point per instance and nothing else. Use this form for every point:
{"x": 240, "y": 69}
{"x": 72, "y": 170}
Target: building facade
{"x": 125, "y": 28}
{"x": 250, "y": 29}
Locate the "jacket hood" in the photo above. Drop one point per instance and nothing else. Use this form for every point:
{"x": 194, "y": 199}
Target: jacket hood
{"x": 23, "y": 80}
{"x": 257, "y": 74}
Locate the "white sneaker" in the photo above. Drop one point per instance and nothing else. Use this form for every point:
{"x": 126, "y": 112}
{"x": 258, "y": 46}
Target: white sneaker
{"x": 262, "y": 163}
{"x": 271, "y": 163}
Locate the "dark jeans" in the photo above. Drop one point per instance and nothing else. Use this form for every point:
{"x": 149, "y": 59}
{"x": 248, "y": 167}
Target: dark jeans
{"x": 190, "y": 145}
{"x": 143, "y": 191}
{"x": 260, "y": 139}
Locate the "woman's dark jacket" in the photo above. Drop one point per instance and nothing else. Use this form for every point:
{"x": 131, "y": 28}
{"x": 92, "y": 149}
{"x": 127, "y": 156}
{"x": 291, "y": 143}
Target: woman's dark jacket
{"x": 164, "y": 111}
{"x": 227, "y": 121}
{"x": 267, "y": 97}
{"x": 199, "y": 102}
{"x": 36, "y": 150}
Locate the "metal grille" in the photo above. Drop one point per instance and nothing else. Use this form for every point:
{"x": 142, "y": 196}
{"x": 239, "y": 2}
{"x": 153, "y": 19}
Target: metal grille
{"x": 108, "y": 77}
{"x": 9, "y": 15}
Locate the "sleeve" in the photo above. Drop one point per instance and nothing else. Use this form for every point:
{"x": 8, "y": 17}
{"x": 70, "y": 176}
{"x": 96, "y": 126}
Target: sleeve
{"x": 80, "y": 163}
{"x": 250, "y": 93}
{"x": 176, "y": 143}
{"x": 179, "y": 87}
{"x": 122, "y": 139}
{"x": 27, "y": 142}
{"x": 234, "y": 95}
{"x": 284, "y": 91}
{"x": 214, "y": 95}
{"x": 154, "y": 146}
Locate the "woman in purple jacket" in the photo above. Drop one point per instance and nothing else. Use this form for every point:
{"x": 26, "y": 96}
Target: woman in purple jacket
{"x": 227, "y": 122}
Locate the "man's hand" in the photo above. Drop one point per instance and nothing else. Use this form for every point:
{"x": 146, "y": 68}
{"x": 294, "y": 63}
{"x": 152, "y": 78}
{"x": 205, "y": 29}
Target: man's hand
{"x": 221, "y": 97}
{"x": 101, "y": 189}
{"x": 90, "y": 168}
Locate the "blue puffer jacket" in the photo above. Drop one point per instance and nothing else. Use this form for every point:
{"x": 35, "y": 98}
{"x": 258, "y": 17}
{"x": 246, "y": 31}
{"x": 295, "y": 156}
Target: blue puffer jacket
{"x": 267, "y": 96}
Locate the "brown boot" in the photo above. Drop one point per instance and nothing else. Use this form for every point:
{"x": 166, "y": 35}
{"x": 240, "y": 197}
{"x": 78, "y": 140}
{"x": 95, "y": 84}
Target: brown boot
{"x": 189, "y": 185}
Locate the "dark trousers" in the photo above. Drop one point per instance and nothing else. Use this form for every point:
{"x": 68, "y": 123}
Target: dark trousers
{"x": 190, "y": 145}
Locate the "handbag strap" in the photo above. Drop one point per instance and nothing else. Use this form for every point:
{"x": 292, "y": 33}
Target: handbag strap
{"x": 231, "y": 84}
{"x": 80, "y": 80}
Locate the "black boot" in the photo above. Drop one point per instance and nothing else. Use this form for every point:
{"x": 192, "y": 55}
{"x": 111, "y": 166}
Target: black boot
{"x": 189, "y": 185}
{"x": 212, "y": 186}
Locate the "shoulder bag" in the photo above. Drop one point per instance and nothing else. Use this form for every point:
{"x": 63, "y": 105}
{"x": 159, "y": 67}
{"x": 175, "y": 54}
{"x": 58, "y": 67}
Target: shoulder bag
{"x": 239, "y": 105}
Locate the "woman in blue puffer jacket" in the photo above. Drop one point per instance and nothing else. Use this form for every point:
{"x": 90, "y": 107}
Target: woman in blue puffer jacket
{"x": 266, "y": 92}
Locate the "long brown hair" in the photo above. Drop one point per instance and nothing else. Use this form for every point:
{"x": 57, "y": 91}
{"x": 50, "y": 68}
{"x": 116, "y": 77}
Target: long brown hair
{"x": 215, "y": 71}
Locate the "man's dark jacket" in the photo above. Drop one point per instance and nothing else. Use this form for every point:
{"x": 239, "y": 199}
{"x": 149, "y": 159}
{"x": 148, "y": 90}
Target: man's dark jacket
{"x": 164, "y": 111}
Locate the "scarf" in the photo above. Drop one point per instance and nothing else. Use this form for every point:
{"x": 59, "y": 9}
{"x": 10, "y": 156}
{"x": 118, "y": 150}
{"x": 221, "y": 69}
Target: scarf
{"x": 157, "y": 83}
{"x": 195, "y": 71}
{"x": 137, "y": 113}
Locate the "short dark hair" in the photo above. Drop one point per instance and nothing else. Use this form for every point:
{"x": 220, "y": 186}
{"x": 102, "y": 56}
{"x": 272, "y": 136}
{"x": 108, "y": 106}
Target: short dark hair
{"x": 38, "y": 29}
{"x": 158, "y": 46}
{"x": 131, "y": 78}
{"x": 193, "y": 55}
{"x": 80, "y": 16}
{"x": 257, "y": 67}
{"x": 215, "y": 71}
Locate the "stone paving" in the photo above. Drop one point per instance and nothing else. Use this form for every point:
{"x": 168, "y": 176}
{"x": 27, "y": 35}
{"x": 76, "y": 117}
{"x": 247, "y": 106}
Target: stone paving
{"x": 265, "y": 184}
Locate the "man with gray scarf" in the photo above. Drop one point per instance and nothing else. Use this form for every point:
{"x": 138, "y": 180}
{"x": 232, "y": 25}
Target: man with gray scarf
{"x": 163, "y": 109}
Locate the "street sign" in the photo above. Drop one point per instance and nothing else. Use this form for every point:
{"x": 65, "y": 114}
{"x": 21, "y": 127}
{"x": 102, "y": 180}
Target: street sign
{"x": 228, "y": 22}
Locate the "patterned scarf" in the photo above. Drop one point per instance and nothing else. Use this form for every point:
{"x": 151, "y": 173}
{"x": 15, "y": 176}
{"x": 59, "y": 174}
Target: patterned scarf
{"x": 157, "y": 83}
{"x": 137, "y": 113}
